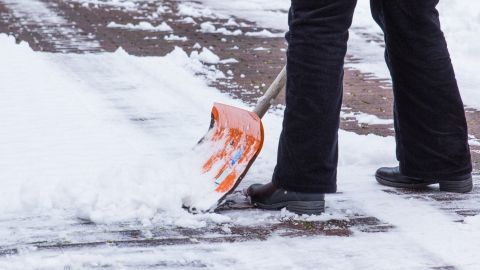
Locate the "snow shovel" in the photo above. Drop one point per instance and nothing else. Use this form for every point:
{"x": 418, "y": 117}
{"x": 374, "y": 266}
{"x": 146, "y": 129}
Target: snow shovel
{"x": 234, "y": 140}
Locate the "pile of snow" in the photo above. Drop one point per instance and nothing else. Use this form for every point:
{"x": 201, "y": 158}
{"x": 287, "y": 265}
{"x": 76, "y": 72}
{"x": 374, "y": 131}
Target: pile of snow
{"x": 173, "y": 37}
{"x": 231, "y": 22}
{"x": 206, "y": 56}
{"x": 188, "y": 20}
{"x": 67, "y": 141}
{"x": 365, "y": 118}
{"x": 208, "y": 27}
{"x": 265, "y": 34}
{"x": 146, "y": 26}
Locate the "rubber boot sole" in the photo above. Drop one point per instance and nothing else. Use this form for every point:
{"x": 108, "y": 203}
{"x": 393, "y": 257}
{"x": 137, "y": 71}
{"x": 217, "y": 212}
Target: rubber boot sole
{"x": 462, "y": 186}
{"x": 297, "y": 207}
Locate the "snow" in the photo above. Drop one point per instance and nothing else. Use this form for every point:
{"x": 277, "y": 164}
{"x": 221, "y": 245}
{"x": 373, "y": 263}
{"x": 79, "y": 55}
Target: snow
{"x": 473, "y": 141}
{"x": 197, "y": 46}
{"x": 196, "y": 10}
{"x": 264, "y": 33}
{"x": 36, "y": 12}
{"x": 473, "y": 221}
{"x": 173, "y": 37}
{"x": 208, "y": 27}
{"x": 188, "y": 20}
{"x": 206, "y": 56}
{"x": 88, "y": 159}
{"x": 162, "y": 9}
{"x": 85, "y": 154}
{"x": 231, "y": 22}
{"x": 123, "y": 4}
{"x": 364, "y": 118}
{"x": 268, "y": 14}
{"x": 229, "y": 61}
{"x": 108, "y": 138}
{"x": 163, "y": 27}
{"x": 301, "y": 253}
{"x": 461, "y": 24}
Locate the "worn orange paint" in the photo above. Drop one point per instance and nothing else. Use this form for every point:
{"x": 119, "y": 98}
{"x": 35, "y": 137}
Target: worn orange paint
{"x": 237, "y": 138}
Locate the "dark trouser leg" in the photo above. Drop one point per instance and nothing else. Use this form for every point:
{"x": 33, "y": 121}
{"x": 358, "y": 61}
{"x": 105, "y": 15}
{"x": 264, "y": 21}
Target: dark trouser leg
{"x": 430, "y": 125}
{"x": 308, "y": 149}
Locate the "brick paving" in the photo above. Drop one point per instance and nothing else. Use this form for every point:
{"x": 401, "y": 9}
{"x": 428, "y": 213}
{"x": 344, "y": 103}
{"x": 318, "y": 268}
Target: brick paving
{"x": 132, "y": 237}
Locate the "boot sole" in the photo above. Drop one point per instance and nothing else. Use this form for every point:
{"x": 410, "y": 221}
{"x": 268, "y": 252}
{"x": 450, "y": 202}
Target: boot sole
{"x": 297, "y": 207}
{"x": 462, "y": 186}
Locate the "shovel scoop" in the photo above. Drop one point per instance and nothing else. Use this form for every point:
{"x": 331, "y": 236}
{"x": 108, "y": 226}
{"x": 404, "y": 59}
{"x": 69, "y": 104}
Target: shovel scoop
{"x": 233, "y": 142}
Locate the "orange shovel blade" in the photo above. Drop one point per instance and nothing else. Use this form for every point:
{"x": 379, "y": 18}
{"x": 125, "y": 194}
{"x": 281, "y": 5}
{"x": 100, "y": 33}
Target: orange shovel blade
{"x": 235, "y": 139}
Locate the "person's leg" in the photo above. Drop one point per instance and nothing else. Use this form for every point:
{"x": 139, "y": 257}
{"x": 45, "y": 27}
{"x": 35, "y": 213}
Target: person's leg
{"x": 430, "y": 125}
{"x": 317, "y": 44}
{"x": 307, "y": 153}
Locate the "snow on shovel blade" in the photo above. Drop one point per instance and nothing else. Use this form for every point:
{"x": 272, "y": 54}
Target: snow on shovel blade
{"x": 233, "y": 141}
{"x": 231, "y": 145}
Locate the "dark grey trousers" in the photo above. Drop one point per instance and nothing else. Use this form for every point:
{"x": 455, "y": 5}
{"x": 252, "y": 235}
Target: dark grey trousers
{"x": 430, "y": 125}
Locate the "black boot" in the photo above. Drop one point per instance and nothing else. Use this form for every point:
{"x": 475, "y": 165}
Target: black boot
{"x": 392, "y": 177}
{"x": 272, "y": 198}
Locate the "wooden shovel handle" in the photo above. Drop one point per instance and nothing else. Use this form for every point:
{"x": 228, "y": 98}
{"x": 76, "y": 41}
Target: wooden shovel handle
{"x": 266, "y": 100}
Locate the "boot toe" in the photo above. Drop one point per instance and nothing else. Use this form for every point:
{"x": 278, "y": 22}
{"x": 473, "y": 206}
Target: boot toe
{"x": 387, "y": 172}
{"x": 392, "y": 177}
{"x": 253, "y": 189}
{"x": 272, "y": 198}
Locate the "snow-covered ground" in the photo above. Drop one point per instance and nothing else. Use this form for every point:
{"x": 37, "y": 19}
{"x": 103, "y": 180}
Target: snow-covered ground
{"x": 108, "y": 138}
{"x": 37, "y": 14}
{"x": 80, "y": 128}
{"x": 70, "y": 149}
